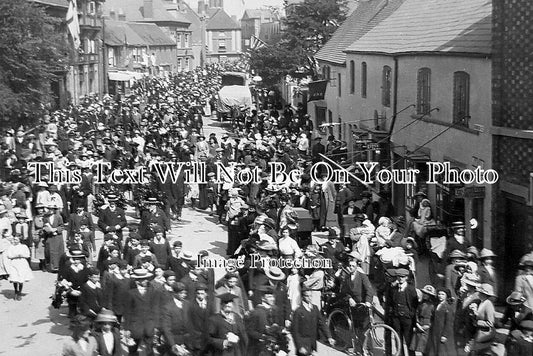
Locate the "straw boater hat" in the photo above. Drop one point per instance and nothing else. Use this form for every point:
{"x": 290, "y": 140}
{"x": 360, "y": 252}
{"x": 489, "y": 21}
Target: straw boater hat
{"x": 140, "y": 273}
{"x": 106, "y": 316}
{"x": 275, "y": 274}
{"x": 187, "y": 256}
{"x": 355, "y": 255}
{"x": 75, "y": 254}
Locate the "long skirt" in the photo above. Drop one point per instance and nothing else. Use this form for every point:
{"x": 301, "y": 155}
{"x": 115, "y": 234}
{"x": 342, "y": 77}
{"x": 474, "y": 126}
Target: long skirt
{"x": 54, "y": 248}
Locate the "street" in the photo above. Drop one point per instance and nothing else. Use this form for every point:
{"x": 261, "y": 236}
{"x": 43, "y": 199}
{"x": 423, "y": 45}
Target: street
{"x": 33, "y": 326}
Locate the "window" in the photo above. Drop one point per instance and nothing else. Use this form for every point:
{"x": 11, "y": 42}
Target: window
{"x": 92, "y": 8}
{"x": 222, "y": 44}
{"x": 363, "y": 80}
{"x": 326, "y": 72}
{"x": 461, "y": 98}
{"x": 111, "y": 56}
{"x": 386, "y": 86}
{"x": 222, "y": 34}
{"x": 187, "y": 64}
{"x": 352, "y": 77}
{"x": 187, "y": 37}
{"x": 179, "y": 64}
{"x": 423, "y": 95}
{"x": 178, "y": 39}
{"x": 339, "y": 88}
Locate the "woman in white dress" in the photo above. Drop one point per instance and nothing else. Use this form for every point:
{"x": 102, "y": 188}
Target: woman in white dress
{"x": 17, "y": 265}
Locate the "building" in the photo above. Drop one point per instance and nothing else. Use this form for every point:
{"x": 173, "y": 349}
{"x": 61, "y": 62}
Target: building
{"x": 223, "y": 37}
{"x": 187, "y": 43}
{"x": 86, "y": 72}
{"x": 173, "y": 23}
{"x": 416, "y": 89}
{"x": 255, "y": 21}
{"x": 512, "y": 130}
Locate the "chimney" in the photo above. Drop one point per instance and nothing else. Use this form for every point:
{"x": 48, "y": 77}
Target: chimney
{"x": 201, "y": 7}
{"x": 112, "y": 14}
{"x": 121, "y": 15}
{"x": 148, "y": 9}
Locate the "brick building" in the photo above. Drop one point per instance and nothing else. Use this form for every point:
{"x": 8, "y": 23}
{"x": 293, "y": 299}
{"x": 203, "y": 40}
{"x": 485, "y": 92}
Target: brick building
{"x": 512, "y": 130}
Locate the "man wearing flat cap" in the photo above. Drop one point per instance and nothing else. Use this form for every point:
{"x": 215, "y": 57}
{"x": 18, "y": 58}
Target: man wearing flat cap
{"x": 227, "y": 333}
{"x": 199, "y": 314}
{"x": 307, "y": 324}
{"x": 154, "y": 216}
{"x": 175, "y": 321}
{"x": 113, "y": 218}
{"x": 264, "y": 323}
{"x": 400, "y": 307}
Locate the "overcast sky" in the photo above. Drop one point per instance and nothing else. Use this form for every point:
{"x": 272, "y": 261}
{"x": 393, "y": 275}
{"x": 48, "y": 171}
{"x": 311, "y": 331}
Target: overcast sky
{"x": 236, "y": 7}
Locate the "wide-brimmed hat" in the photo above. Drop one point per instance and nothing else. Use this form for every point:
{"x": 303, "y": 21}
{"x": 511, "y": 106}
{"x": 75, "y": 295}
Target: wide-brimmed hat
{"x": 275, "y": 274}
{"x": 355, "y": 255}
{"x": 106, "y": 316}
{"x": 457, "y": 254}
{"x": 429, "y": 290}
{"x": 140, "y": 273}
{"x": 470, "y": 279}
{"x": 486, "y": 289}
{"x": 458, "y": 225}
{"x": 486, "y": 253}
{"x": 187, "y": 256}
{"x": 75, "y": 254}
{"x": 402, "y": 272}
{"x": 112, "y": 198}
{"x": 152, "y": 201}
{"x": 21, "y": 215}
{"x": 227, "y": 297}
{"x": 515, "y": 298}
{"x": 420, "y": 194}
{"x": 526, "y": 260}
{"x": 473, "y": 250}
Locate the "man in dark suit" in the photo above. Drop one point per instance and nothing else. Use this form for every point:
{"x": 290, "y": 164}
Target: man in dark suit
{"x": 177, "y": 263}
{"x": 76, "y": 274}
{"x": 175, "y": 322}
{"x": 113, "y": 219}
{"x": 400, "y": 307}
{"x": 92, "y": 297}
{"x": 142, "y": 312}
{"x": 307, "y": 322}
{"x": 116, "y": 288}
{"x": 199, "y": 314}
{"x": 227, "y": 334}
{"x": 317, "y": 149}
{"x": 358, "y": 288}
{"x": 265, "y": 323}
{"x": 107, "y": 334}
{"x": 154, "y": 216}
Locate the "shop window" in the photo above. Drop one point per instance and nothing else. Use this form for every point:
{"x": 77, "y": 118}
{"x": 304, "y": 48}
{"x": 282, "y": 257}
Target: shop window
{"x": 178, "y": 40}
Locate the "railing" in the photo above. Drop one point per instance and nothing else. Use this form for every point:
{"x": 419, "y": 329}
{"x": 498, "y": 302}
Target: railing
{"x": 90, "y": 21}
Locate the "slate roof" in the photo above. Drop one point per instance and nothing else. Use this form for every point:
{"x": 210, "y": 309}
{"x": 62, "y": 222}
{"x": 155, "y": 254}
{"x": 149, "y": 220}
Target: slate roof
{"x": 422, "y": 26}
{"x": 259, "y": 14}
{"x": 134, "y": 11}
{"x": 151, "y": 34}
{"x": 56, "y": 3}
{"x": 117, "y": 33}
{"x": 362, "y": 19}
{"x": 220, "y": 20}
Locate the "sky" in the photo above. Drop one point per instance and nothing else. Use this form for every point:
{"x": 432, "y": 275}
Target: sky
{"x": 237, "y": 7}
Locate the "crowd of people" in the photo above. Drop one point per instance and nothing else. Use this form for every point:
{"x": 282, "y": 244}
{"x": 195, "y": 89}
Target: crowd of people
{"x": 141, "y": 288}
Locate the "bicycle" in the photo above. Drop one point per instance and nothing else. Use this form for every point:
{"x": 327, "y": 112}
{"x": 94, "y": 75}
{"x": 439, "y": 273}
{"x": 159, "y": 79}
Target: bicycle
{"x": 376, "y": 337}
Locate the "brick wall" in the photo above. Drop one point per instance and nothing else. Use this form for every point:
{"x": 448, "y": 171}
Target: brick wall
{"x": 512, "y": 107}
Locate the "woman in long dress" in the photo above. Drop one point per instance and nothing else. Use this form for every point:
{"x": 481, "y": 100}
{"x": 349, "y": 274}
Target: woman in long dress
{"x": 441, "y": 341}
{"x": 17, "y": 265}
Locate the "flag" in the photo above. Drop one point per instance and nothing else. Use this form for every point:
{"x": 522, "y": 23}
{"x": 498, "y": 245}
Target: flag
{"x": 317, "y": 90}
{"x": 256, "y": 43}
{"x": 72, "y": 23}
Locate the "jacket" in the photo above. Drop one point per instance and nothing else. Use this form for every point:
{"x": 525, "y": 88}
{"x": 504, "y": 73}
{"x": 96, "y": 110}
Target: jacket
{"x": 306, "y": 326}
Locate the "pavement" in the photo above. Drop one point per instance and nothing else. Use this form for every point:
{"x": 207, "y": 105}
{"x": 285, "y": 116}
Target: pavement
{"x": 32, "y": 326}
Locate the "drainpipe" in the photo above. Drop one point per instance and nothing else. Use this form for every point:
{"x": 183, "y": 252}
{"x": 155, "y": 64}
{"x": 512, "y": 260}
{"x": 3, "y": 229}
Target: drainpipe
{"x": 393, "y": 121}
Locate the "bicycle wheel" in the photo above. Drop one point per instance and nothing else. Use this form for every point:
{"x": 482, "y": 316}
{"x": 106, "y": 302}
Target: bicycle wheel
{"x": 341, "y": 330}
{"x": 377, "y": 342}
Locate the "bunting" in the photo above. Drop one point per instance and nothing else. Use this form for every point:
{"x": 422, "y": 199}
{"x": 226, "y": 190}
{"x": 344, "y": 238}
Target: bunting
{"x": 73, "y": 23}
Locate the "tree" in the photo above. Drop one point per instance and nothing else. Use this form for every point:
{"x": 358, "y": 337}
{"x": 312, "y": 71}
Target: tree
{"x": 306, "y": 28}
{"x": 32, "y": 51}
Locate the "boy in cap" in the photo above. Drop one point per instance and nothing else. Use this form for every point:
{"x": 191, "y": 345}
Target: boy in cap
{"x": 175, "y": 322}
{"x": 107, "y": 334}
{"x": 113, "y": 219}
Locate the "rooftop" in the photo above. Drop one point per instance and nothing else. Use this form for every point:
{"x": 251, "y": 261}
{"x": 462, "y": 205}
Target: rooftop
{"x": 220, "y": 20}
{"x": 362, "y": 19}
{"x": 422, "y": 26}
{"x": 134, "y": 11}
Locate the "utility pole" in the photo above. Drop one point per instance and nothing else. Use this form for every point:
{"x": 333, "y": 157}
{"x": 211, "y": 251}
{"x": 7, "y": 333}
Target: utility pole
{"x": 203, "y": 31}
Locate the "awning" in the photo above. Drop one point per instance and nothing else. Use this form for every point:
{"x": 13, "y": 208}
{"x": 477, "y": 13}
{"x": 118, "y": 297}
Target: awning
{"x": 317, "y": 90}
{"x": 120, "y": 76}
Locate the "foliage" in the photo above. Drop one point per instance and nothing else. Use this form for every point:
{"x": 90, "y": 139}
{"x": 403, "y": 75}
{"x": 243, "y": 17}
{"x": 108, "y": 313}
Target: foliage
{"x": 306, "y": 28}
{"x": 32, "y": 51}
